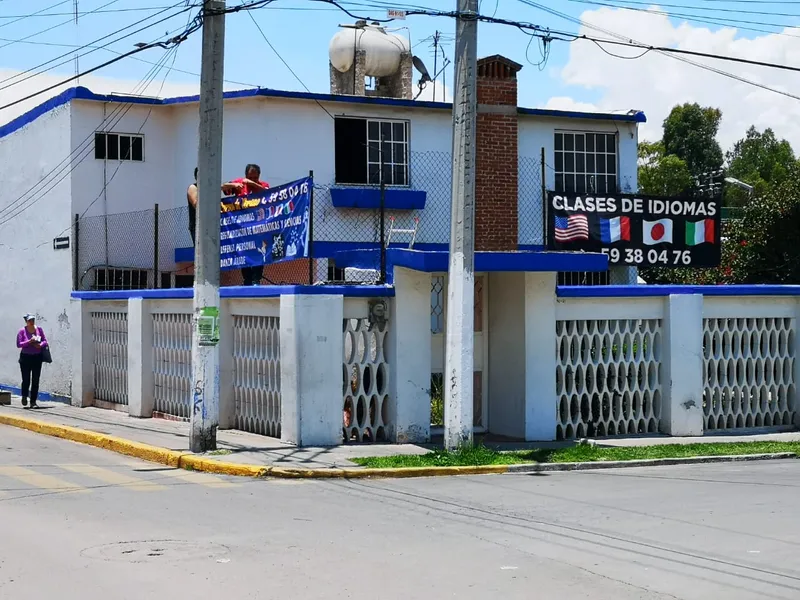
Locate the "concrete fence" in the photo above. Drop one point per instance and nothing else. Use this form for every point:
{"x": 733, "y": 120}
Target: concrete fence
{"x": 325, "y": 365}
{"x": 308, "y": 365}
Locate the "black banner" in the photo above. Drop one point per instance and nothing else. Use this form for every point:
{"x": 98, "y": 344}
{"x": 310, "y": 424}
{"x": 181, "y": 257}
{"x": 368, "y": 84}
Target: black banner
{"x": 637, "y": 230}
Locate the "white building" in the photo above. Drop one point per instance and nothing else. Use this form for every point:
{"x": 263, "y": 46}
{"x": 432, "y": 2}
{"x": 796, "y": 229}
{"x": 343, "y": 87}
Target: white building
{"x": 109, "y": 159}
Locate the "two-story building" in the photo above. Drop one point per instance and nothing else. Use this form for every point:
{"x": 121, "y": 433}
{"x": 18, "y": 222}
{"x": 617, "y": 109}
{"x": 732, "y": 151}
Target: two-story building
{"x": 82, "y": 174}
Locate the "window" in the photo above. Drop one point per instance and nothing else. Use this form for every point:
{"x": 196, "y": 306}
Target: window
{"x": 110, "y": 278}
{"x": 359, "y": 144}
{"x": 118, "y": 146}
{"x": 583, "y": 278}
{"x": 586, "y": 163}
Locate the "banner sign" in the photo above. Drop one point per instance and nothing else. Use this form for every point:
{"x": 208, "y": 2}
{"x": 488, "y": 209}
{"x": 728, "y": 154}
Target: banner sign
{"x": 265, "y": 228}
{"x": 637, "y": 230}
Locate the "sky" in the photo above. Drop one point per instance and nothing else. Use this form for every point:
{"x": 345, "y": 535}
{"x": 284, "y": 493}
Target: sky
{"x": 575, "y": 75}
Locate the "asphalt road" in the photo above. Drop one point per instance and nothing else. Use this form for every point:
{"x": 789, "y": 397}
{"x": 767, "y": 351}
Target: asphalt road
{"x": 80, "y": 523}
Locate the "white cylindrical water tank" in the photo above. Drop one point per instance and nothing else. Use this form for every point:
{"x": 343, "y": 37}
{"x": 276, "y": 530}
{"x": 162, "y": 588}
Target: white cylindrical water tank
{"x": 383, "y": 50}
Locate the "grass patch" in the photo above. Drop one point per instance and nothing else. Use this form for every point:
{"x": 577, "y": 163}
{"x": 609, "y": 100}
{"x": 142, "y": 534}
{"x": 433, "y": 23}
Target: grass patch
{"x": 480, "y": 455}
{"x": 220, "y": 452}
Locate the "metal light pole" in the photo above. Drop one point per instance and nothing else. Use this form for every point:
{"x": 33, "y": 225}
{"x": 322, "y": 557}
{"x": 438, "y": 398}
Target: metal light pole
{"x": 458, "y": 375}
{"x": 205, "y": 334}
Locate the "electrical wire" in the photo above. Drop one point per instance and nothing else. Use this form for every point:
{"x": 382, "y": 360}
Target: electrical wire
{"x": 715, "y": 20}
{"x": 41, "y": 13}
{"x": 671, "y": 52}
{"x": 51, "y": 28}
{"x": 715, "y": 9}
{"x": 18, "y": 18}
{"x": 82, "y": 152}
{"x": 70, "y": 55}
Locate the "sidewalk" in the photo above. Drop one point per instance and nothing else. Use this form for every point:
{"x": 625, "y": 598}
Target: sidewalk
{"x": 233, "y": 446}
{"x": 255, "y": 451}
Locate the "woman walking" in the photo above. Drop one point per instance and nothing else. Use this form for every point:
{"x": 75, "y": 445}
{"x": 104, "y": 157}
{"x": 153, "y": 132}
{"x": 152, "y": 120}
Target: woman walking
{"x": 32, "y": 344}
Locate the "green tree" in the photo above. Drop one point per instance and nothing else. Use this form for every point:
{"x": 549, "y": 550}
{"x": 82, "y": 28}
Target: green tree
{"x": 661, "y": 174}
{"x": 690, "y": 133}
{"x": 759, "y": 159}
{"x": 759, "y": 248}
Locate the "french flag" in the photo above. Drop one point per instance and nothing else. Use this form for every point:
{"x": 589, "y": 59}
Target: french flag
{"x": 615, "y": 230}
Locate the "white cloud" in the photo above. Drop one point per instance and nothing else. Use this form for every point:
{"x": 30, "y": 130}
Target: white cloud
{"x": 655, "y": 83}
{"x": 567, "y": 103}
{"x": 427, "y": 93}
{"x": 98, "y": 84}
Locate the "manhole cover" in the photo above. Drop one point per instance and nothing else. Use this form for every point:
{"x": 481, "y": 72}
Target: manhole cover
{"x": 156, "y": 551}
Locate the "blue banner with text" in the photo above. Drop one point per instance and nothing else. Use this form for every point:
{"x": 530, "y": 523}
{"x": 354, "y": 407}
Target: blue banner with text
{"x": 265, "y": 228}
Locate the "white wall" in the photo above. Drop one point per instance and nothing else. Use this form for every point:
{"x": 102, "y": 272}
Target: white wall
{"x": 35, "y": 277}
{"x": 536, "y": 133}
{"x": 127, "y": 190}
{"x": 287, "y": 138}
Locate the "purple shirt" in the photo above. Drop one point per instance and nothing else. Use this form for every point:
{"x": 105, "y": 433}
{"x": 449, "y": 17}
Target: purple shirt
{"x": 24, "y": 341}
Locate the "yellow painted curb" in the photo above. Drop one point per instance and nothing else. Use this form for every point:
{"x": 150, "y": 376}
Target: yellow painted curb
{"x": 193, "y": 462}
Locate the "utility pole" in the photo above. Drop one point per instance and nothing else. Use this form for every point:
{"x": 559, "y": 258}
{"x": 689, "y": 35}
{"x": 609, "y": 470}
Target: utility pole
{"x": 205, "y": 334}
{"x": 458, "y": 374}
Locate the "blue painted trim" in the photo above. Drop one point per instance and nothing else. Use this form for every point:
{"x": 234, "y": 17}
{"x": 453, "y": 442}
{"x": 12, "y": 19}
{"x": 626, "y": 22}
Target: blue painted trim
{"x": 325, "y": 249}
{"x": 261, "y": 291}
{"x": 437, "y": 261}
{"x": 645, "y": 291}
{"x": 184, "y": 254}
{"x": 370, "y": 197}
{"x": 42, "y": 395}
{"x": 82, "y": 93}
{"x": 637, "y": 117}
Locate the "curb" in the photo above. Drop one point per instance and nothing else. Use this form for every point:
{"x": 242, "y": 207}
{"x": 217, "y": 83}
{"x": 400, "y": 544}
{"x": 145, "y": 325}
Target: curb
{"x": 650, "y": 462}
{"x": 194, "y": 462}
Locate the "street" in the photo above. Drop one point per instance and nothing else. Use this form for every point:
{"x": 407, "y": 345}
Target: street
{"x": 81, "y": 523}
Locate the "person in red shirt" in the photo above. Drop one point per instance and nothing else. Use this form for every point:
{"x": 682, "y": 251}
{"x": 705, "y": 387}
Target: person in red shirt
{"x": 251, "y": 184}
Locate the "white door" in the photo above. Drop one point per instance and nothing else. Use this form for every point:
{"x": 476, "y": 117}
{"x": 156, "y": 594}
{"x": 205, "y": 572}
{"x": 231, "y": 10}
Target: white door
{"x": 481, "y": 379}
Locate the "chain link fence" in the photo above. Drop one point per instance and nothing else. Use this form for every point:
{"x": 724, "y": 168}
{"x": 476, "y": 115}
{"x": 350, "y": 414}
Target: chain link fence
{"x": 532, "y": 204}
{"x": 153, "y": 248}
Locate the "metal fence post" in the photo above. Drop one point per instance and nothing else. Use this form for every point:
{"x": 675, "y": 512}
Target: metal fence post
{"x": 76, "y": 256}
{"x": 155, "y": 248}
{"x": 383, "y": 218}
{"x": 545, "y": 208}
{"x": 310, "y": 248}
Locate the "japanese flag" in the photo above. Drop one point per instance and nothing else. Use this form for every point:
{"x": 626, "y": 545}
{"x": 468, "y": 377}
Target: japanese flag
{"x": 657, "y": 232}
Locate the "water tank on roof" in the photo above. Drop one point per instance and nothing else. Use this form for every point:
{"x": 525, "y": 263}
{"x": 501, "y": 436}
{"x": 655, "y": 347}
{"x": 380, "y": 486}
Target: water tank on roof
{"x": 382, "y": 49}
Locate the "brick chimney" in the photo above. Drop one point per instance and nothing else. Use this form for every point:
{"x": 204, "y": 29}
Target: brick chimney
{"x": 497, "y": 166}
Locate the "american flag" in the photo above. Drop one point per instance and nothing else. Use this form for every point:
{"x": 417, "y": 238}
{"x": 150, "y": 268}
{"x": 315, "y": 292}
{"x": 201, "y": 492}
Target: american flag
{"x": 574, "y": 227}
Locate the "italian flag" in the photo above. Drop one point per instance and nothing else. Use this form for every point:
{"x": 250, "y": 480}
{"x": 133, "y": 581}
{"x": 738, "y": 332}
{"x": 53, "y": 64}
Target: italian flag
{"x": 699, "y": 232}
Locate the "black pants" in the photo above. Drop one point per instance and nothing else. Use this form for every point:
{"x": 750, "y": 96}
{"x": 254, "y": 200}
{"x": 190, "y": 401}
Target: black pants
{"x": 31, "y": 367}
{"x": 252, "y": 275}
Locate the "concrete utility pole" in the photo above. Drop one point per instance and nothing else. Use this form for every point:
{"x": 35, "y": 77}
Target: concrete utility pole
{"x": 458, "y": 374}
{"x": 205, "y": 335}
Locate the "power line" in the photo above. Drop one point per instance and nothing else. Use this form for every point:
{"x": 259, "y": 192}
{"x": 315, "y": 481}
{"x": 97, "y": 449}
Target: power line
{"x": 18, "y": 18}
{"x": 715, "y": 9}
{"x": 51, "y": 28}
{"x": 724, "y": 21}
{"x": 664, "y": 52}
{"x": 41, "y": 12}
{"x": 70, "y": 55}
{"x": 83, "y": 150}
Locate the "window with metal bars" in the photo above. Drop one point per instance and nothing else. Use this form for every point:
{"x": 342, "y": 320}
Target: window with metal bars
{"x": 585, "y": 162}
{"x": 112, "y": 278}
{"x": 118, "y": 146}
{"x": 362, "y": 145}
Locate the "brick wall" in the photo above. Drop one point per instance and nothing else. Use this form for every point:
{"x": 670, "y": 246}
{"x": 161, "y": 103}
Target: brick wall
{"x": 497, "y": 177}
